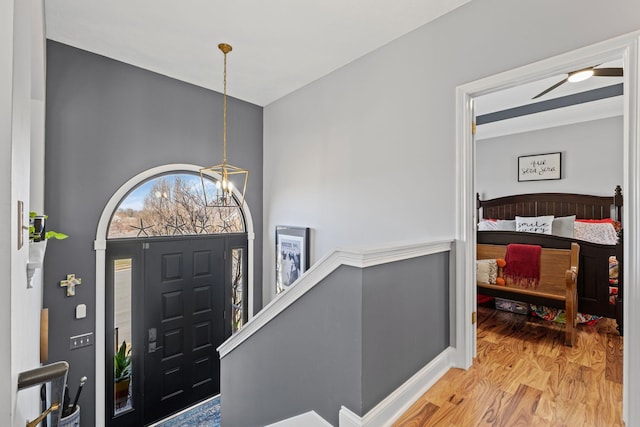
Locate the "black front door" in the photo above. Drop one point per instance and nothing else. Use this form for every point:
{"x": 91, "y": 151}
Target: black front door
{"x": 184, "y": 322}
{"x": 180, "y": 288}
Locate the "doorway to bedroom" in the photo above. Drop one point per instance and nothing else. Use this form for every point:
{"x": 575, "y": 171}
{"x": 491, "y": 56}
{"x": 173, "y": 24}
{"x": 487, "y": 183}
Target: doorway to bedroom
{"x": 580, "y": 126}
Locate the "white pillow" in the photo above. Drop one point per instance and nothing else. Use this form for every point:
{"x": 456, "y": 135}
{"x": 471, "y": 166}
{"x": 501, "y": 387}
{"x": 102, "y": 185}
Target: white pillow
{"x": 487, "y": 225}
{"x": 482, "y": 272}
{"x": 506, "y": 225}
{"x": 488, "y": 266}
{"x": 563, "y": 226}
{"x": 534, "y": 224}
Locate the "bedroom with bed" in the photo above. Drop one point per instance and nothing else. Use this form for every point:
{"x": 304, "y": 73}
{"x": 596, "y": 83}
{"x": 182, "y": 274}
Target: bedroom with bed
{"x": 548, "y": 188}
{"x": 556, "y": 220}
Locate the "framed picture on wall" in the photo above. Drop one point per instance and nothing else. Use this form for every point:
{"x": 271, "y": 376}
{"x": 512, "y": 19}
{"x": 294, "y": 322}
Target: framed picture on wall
{"x": 539, "y": 167}
{"x": 292, "y": 255}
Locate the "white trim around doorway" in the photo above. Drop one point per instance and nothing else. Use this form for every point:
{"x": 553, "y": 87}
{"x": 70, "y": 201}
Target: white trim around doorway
{"x": 100, "y": 246}
{"x": 627, "y": 48}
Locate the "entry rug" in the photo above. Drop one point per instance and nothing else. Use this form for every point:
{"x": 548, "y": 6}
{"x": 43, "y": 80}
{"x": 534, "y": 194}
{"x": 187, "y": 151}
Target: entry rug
{"x": 204, "y": 414}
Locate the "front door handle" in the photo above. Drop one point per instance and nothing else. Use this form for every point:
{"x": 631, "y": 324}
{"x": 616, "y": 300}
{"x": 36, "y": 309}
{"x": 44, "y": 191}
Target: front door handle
{"x": 153, "y": 347}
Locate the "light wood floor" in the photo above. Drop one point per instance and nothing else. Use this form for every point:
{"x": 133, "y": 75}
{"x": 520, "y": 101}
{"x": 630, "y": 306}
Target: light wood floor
{"x": 525, "y": 376}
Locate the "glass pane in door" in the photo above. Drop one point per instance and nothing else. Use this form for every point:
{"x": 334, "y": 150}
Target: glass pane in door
{"x": 237, "y": 288}
{"x": 122, "y": 336}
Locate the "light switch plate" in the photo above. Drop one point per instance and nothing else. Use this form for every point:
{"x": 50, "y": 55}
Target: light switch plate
{"x": 79, "y": 341}
{"x": 81, "y": 311}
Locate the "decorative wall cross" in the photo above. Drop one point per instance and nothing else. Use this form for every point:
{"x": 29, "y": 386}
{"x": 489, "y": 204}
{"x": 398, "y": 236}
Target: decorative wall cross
{"x": 71, "y": 284}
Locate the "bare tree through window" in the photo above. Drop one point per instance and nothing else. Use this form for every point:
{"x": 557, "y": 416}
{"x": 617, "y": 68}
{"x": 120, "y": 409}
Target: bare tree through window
{"x": 172, "y": 205}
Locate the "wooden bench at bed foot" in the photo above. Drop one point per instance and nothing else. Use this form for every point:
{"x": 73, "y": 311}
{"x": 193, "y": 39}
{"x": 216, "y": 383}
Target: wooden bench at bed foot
{"x": 557, "y": 287}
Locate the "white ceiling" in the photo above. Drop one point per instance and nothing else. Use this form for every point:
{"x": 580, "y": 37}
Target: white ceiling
{"x": 278, "y": 45}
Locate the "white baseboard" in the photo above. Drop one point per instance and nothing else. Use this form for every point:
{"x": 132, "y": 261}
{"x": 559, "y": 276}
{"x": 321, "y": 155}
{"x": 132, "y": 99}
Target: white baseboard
{"x": 348, "y": 419}
{"x": 308, "y": 419}
{"x": 398, "y": 402}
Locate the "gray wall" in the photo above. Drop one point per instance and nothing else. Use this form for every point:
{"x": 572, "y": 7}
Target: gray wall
{"x": 405, "y": 318}
{"x": 307, "y": 358}
{"x": 591, "y": 159}
{"x": 351, "y": 340}
{"x": 385, "y": 122}
{"x": 107, "y": 122}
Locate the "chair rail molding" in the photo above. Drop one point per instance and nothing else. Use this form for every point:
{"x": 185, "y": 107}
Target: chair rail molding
{"x": 356, "y": 258}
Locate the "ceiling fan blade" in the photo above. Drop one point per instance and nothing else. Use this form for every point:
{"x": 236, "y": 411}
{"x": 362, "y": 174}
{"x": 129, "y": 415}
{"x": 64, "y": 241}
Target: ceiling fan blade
{"x": 607, "y": 72}
{"x": 544, "y": 92}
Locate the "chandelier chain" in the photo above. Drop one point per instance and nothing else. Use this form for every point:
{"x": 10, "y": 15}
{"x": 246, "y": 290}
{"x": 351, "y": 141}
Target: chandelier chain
{"x": 224, "y": 113}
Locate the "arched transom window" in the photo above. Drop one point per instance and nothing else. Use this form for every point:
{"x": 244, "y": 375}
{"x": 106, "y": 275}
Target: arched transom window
{"x": 174, "y": 205}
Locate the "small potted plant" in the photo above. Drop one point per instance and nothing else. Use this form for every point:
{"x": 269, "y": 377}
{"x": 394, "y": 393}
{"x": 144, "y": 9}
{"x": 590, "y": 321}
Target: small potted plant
{"x": 122, "y": 374}
{"x": 38, "y": 237}
{"x": 37, "y": 229}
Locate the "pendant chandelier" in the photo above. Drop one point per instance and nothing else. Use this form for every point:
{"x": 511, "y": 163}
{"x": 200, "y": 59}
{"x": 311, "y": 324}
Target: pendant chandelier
{"x": 224, "y": 187}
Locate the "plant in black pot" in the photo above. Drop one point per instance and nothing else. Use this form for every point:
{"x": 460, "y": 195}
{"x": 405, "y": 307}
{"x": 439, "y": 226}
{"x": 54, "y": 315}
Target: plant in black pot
{"x": 122, "y": 374}
{"x": 38, "y": 237}
{"x": 37, "y": 229}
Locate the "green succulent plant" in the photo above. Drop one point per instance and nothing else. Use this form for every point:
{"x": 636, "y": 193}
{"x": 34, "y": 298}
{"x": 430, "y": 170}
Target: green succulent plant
{"x": 122, "y": 363}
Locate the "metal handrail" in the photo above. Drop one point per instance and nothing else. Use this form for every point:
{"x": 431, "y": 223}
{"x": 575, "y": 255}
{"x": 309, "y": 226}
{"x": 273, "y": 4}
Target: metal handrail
{"x": 56, "y": 374}
{"x": 42, "y": 374}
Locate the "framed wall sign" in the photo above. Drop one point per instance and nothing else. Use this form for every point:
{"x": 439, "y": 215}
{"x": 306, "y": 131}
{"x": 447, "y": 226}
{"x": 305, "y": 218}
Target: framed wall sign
{"x": 292, "y": 255}
{"x": 539, "y": 167}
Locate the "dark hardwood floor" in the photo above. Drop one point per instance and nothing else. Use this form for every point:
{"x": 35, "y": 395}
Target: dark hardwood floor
{"x": 524, "y": 376}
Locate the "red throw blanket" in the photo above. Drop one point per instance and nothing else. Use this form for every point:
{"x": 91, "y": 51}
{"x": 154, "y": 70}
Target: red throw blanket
{"x": 523, "y": 265}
